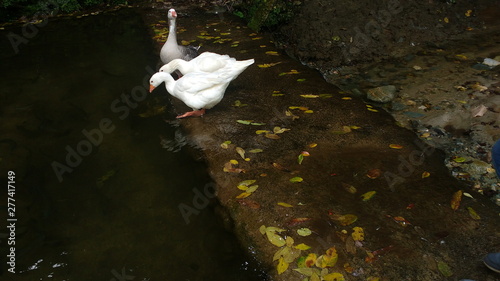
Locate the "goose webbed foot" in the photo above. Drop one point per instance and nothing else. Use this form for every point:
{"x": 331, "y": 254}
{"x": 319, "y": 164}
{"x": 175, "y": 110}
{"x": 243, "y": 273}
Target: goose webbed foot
{"x": 194, "y": 113}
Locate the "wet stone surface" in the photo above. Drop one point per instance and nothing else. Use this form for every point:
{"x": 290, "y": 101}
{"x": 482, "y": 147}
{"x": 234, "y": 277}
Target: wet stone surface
{"x": 411, "y": 231}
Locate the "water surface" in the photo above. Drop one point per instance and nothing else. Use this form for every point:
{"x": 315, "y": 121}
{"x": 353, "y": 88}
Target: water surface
{"x": 100, "y": 176}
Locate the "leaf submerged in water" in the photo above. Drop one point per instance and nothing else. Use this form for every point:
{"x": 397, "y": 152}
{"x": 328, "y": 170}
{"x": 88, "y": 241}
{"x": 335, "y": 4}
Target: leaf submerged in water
{"x": 100, "y": 181}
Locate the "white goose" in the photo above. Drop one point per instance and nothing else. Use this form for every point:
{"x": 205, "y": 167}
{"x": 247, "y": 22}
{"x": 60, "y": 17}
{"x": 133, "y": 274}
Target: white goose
{"x": 205, "y": 62}
{"x": 171, "y": 50}
{"x": 200, "y": 90}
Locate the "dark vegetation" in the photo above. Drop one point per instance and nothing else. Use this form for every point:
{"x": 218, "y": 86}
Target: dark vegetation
{"x": 14, "y": 9}
{"x": 267, "y": 14}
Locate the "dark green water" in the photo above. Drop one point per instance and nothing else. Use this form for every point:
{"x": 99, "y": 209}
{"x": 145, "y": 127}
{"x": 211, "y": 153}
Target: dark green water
{"x": 97, "y": 185}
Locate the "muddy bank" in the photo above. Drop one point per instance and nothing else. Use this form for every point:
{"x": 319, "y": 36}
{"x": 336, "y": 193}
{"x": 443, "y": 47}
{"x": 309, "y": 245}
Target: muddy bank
{"x": 279, "y": 108}
{"x": 431, "y": 53}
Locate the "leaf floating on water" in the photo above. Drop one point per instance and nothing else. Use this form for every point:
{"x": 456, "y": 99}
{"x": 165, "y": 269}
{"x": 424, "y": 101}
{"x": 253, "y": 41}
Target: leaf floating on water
{"x": 303, "y": 108}
{"x": 426, "y": 174}
{"x": 302, "y": 247}
{"x": 250, "y": 122}
{"x": 244, "y": 122}
{"x": 297, "y": 221}
{"x": 272, "y": 53}
{"x": 282, "y": 265}
{"x": 266, "y": 65}
{"x": 241, "y": 152}
{"x": 237, "y": 103}
{"x": 309, "y": 96}
{"x": 395, "y": 146}
{"x": 225, "y": 144}
{"x": 272, "y": 136}
{"x": 312, "y": 145}
{"x": 334, "y": 276}
{"x": 277, "y": 94}
{"x": 367, "y": 196}
{"x": 228, "y": 167}
{"x": 344, "y": 220}
{"x": 293, "y": 71}
{"x": 349, "y": 188}
{"x": 402, "y": 221}
{"x": 296, "y": 179}
{"x": 310, "y": 260}
{"x": 274, "y": 238}
{"x": 246, "y": 182}
{"x": 249, "y": 203}
{"x": 347, "y": 98}
{"x": 444, "y": 269}
{"x": 252, "y": 189}
{"x": 258, "y": 132}
{"x": 256, "y": 150}
{"x": 283, "y": 204}
{"x": 329, "y": 259}
{"x": 473, "y": 213}
{"x": 279, "y": 130}
{"x": 358, "y": 234}
{"x": 304, "y": 231}
{"x": 243, "y": 195}
{"x": 374, "y": 173}
{"x": 456, "y": 199}
{"x": 300, "y": 158}
{"x": 301, "y": 80}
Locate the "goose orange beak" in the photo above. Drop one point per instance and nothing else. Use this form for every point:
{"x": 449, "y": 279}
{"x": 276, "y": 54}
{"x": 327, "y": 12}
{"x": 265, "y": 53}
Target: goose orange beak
{"x": 151, "y": 88}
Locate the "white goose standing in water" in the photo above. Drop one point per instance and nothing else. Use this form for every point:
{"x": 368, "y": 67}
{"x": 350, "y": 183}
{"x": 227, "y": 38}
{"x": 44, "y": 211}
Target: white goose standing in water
{"x": 171, "y": 50}
{"x": 205, "y": 62}
{"x": 198, "y": 89}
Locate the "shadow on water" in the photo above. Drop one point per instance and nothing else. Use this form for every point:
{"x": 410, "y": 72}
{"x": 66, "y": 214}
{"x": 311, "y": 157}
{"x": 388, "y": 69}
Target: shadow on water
{"x": 97, "y": 190}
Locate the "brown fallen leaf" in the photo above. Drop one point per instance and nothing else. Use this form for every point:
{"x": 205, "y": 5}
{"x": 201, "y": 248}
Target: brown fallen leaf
{"x": 280, "y": 167}
{"x": 350, "y": 246}
{"x": 249, "y": 203}
{"x": 374, "y": 173}
{"x": 296, "y": 221}
{"x": 456, "y": 199}
{"x": 228, "y": 167}
{"x": 272, "y": 136}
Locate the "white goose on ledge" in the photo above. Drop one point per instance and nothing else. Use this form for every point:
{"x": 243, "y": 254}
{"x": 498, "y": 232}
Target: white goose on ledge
{"x": 171, "y": 50}
{"x": 200, "y": 90}
{"x": 205, "y": 62}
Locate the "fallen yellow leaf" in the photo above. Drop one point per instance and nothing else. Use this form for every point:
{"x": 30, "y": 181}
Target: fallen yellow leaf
{"x": 302, "y": 247}
{"x": 282, "y": 265}
{"x": 368, "y": 195}
{"x": 395, "y": 146}
{"x": 358, "y": 234}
